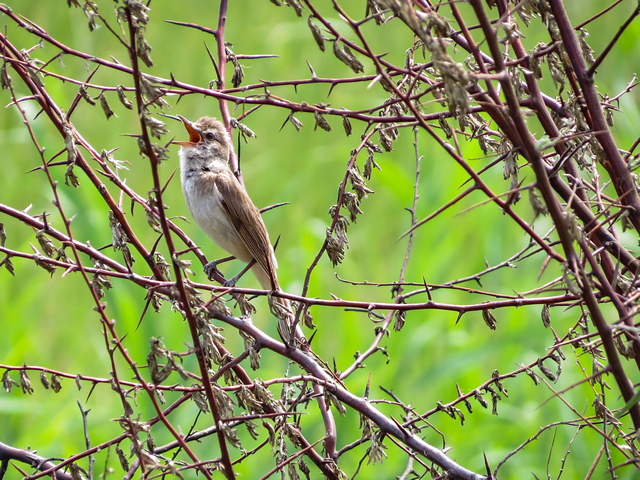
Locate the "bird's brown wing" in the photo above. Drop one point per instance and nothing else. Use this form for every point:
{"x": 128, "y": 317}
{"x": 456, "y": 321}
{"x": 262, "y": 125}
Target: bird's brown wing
{"x": 246, "y": 220}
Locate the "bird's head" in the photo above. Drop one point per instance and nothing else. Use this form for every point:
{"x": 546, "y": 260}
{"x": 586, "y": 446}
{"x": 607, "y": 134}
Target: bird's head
{"x": 208, "y": 139}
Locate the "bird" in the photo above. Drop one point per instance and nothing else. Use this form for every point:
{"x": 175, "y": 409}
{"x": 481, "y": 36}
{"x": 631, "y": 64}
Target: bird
{"x": 223, "y": 210}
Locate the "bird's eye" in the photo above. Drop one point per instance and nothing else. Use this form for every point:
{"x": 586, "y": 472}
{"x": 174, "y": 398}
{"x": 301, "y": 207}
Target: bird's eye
{"x": 209, "y": 136}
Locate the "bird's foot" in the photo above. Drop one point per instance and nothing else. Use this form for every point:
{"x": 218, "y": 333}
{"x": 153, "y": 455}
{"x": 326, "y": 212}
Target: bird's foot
{"x": 231, "y": 282}
{"x": 211, "y": 269}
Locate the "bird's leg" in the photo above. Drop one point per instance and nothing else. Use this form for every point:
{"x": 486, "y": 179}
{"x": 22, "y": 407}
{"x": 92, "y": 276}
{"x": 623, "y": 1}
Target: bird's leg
{"x": 211, "y": 268}
{"x": 232, "y": 281}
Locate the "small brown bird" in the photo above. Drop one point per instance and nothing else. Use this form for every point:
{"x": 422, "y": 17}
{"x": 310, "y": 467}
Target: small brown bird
{"x": 222, "y": 208}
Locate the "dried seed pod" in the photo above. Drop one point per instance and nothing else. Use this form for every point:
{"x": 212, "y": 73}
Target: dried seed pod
{"x": 358, "y": 184}
{"x": 119, "y": 237}
{"x": 297, "y": 124}
{"x": 366, "y": 425}
{"x": 545, "y": 371}
{"x": 385, "y": 140}
{"x": 510, "y": 165}
{"x": 153, "y": 222}
{"x": 151, "y": 445}
{"x": 231, "y": 434}
{"x": 124, "y": 463}
{"x": 296, "y": 5}
{"x": 556, "y": 358}
{"x": 245, "y": 306}
{"x": 70, "y": 178}
{"x": 182, "y": 264}
{"x": 369, "y": 164}
{"x": 321, "y": 122}
{"x": 8, "y": 264}
{"x": 546, "y": 316}
{"x": 90, "y": 12}
{"x": 372, "y": 147}
{"x": 5, "y": 79}
{"x": 138, "y": 10}
{"x": 536, "y": 59}
{"x": 352, "y": 204}
{"x": 587, "y": 51}
{"x": 464, "y": 121}
{"x": 176, "y": 366}
{"x": 317, "y": 34}
{"x": 292, "y": 472}
{"x": 33, "y": 66}
{"x": 143, "y": 49}
{"x": 602, "y": 411}
{"x": 626, "y": 350}
{"x": 442, "y": 121}
{"x": 335, "y": 248}
{"x": 531, "y": 373}
{"x": 283, "y": 314}
{"x": 44, "y": 380}
{"x": 46, "y": 244}
{"x": 573, "y": 225}
{"x": 399, "y": 319}
{"x": 244, "y": 130}
{"x": 156, "y": 127}
{"x": 69, "y": 143}
{"x": 105, "y": 106}
{"x": 85, "y": 95}
{"x": 460, "y": 415}
{"x": 345, "y": 55}
{"x": 261, "y": 392}
{"x": 489, "y": 319}
{"x": 123, "y": 99}
{"x": 224, "y": 402}
{"x": 498, "y": 383}
{"x": 8, "y": 382}
{"x": 56, "y": 386}
{"x": 246, "y": 397}
{"x": 128, "y": 258}
{"x": 25, "y": 382}
{"x": 556, "y": 70}
{"x": 199, "y": 399}
{"x": 238, "y": 74}
{"x": 373, "y": 9}
{"x": 307, "y": 320}
{"x": 42, "y": 262}
{"x": 161, "y": 153}
{"x": 538, "y": 205}
{"x": 332, "y": 400}
{"x": 514, "y": 76}
{"x": 494, "y": 404}
{"x": 376, "y": 450}
{"x": 346, "y": 124}
{"x": 152, "y": 93}
{"x": 107, "y": 156}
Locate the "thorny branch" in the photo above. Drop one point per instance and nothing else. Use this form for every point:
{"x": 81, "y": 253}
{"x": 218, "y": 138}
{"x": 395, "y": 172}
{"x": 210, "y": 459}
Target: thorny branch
{"x": 481, "y": 74}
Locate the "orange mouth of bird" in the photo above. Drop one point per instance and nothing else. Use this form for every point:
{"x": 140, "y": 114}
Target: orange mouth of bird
{"x": 194, "y": 136}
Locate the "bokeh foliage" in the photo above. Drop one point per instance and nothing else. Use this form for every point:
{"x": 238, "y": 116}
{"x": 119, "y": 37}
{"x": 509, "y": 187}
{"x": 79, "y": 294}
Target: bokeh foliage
{"x": 48, "y": 321}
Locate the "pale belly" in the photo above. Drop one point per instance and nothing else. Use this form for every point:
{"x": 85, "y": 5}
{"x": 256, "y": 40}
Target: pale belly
{"x": 208, "y": 213}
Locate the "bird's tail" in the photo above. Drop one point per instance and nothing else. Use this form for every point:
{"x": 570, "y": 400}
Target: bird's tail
{"x": 280, "y": 307}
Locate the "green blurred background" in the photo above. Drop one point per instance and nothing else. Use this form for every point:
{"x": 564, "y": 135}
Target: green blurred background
{"x": 50, "y": 322}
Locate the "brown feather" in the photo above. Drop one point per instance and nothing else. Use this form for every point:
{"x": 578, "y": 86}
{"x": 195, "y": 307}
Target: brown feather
{"x": 245, "y": 218}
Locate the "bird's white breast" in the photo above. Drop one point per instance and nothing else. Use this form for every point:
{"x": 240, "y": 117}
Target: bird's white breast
{"x": 204, "y": 202}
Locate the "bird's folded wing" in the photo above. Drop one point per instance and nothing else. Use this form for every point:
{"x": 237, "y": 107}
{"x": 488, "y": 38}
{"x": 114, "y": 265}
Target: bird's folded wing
{"x": 246, "y": 219}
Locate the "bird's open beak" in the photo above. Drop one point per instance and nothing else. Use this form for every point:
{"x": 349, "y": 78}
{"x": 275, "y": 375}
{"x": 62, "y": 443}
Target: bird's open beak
{"x": 194, "y": 136}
